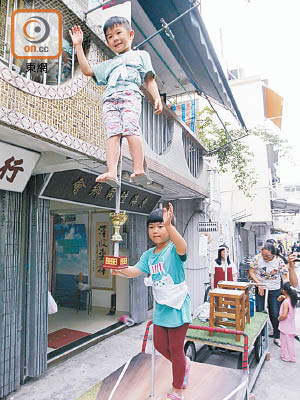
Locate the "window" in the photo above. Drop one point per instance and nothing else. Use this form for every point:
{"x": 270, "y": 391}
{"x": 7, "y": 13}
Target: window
{"x": 48, "y": 72}
{"x": 161, "y": 124}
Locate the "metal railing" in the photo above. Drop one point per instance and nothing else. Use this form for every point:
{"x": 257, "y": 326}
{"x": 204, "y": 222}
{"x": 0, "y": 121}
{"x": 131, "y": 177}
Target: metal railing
{"x": 210, "y": 329}
{"x": 157, "y": 130}
{"x": 193, "y": 155}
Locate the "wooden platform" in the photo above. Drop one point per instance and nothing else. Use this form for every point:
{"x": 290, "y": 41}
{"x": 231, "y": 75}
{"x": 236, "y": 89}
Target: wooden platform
{"x": 226, "y": 341}
{"x": 205, "y": 381}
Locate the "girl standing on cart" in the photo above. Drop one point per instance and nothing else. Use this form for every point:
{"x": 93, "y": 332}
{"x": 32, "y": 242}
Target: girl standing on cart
{"x": 172, "y": 315}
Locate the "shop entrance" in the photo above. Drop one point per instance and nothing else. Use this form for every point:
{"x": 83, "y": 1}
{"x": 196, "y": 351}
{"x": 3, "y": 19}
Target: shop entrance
{"x": 89, "y": 299}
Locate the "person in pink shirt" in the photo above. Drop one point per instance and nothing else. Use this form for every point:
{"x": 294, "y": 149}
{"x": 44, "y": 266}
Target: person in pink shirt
{"x": 287, "y": 324}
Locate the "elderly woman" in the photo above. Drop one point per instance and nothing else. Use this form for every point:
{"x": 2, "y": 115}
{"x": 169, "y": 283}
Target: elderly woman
{"x": 267, "y": 269}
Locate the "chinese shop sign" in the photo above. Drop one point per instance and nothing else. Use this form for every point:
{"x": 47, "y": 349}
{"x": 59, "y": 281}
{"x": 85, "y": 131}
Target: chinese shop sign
{"x": 100, "y": 246}
{"x": 16, "y": 165}
{"x": 78, "y": 186}
{"x": 102, "y": 242}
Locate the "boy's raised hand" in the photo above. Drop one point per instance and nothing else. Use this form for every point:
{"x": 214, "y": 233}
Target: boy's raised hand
{"x": 76, "y": 35}
{"x": 167, "y": 215}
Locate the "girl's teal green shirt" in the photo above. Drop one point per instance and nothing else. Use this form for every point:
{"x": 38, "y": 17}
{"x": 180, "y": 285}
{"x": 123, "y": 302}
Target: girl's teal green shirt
{"x": 167, "y": 268}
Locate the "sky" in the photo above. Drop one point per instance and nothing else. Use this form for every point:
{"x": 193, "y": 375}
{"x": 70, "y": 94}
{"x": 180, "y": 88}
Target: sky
{"x": 262, "y": 36}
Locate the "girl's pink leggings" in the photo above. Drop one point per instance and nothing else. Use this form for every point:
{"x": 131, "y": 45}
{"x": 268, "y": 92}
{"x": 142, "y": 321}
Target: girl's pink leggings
{"x": 170, "y": 343}
{"x": 287, "y": 347}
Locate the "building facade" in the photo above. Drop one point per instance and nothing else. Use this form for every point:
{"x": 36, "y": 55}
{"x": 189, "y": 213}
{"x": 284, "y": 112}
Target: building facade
{"x": 54, "y": 219}
{"x": 252, "y": 217}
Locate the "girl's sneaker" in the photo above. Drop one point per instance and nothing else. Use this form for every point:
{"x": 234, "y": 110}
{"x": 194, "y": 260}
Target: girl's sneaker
{"x": 187, "y": 371}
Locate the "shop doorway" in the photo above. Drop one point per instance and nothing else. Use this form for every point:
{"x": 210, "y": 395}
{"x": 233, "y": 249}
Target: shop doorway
{"x": 86, "y": 295}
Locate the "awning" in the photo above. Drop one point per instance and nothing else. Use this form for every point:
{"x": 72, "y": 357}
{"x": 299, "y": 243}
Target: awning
{"x": 193, "y": 50}
{"x": 273, "y": 103}
{"x": 281, "y": 206}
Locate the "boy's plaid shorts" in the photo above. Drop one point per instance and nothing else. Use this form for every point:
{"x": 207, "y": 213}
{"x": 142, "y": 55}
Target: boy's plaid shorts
{"x": 121, "y": 114}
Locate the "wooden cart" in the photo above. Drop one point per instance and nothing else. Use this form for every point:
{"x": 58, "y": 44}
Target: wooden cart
{"x": 250, "y": 352}
{"x": 133, "y": 380}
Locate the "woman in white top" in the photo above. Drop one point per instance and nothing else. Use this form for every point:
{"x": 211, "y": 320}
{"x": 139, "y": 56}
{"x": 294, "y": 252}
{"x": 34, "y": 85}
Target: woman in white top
{"x": 218, "y": 270}
{"x": 267, "y": 269}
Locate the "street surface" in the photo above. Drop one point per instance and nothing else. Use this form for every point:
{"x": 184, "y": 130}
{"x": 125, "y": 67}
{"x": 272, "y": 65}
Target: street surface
{"x": 70, "y": 379}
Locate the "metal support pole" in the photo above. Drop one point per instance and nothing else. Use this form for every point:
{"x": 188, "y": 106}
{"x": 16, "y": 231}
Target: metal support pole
{"x": 266, "y": 300}
{"x": 165, "y": 26}
{"x": 118, "y": 197}
{"x": 226, "y": 263}
{"x": 153, "y": 357}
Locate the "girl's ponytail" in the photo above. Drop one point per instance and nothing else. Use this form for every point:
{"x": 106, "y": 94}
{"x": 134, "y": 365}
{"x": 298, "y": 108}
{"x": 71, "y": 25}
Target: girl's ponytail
{"x": 291, "y": 292}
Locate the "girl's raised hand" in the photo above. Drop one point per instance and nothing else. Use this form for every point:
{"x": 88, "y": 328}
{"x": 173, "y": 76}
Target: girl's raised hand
{"x": 167, "y": 215}
{"x": 76, "y": 35}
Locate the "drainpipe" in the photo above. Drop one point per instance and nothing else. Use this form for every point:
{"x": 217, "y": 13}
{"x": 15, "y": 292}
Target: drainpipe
{"x": 214, "y": 204}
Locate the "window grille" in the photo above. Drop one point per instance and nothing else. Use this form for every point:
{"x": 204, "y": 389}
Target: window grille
{"x": 47, "y": 72}
{"x": 161, "y": 124}
{"x": 193, "y": 155}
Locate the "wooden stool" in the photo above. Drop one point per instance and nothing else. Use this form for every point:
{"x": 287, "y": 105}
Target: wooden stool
{"x": 245, "y": 286}
{"x": 221, "y": 301}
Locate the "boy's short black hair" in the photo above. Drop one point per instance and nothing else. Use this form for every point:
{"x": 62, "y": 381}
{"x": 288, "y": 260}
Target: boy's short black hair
{"x": 157, "y": 216}
{"x": 113, "y": 21}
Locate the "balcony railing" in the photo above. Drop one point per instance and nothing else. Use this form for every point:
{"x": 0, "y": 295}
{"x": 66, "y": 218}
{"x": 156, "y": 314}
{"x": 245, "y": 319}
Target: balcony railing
{"x": 193, "y": 154}
{"x": 158, "y": 130}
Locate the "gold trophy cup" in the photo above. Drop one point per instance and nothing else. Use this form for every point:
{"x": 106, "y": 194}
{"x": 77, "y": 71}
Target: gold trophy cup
{"x": 118, "y": 219}
{"x": 114, "y": 262}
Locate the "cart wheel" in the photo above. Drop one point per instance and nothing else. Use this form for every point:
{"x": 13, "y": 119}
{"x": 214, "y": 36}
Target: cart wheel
{"x": 258, "y": 347}
{"x": 190, "y": 350}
